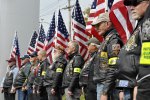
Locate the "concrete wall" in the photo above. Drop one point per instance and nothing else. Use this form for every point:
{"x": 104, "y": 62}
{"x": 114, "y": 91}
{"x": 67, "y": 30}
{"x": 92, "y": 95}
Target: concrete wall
{"x": 16, "y": 15}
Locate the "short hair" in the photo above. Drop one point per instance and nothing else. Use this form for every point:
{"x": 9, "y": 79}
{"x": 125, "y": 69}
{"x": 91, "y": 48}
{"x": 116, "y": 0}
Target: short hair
{"x": 42, "y": 52}
{"x": 75, "y": 45}
{"x": 96, "y": 45}
{"x": 60, "y": 48}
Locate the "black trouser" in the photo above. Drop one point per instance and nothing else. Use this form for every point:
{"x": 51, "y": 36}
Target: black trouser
{"x": 8, "y": 95}
{"x": 57, "y": 95}
{"x": 143, "y": 92}
{"x": 113, "y": 94}
{"x": 91, "y": 95}
{"x": 42, "y": 95}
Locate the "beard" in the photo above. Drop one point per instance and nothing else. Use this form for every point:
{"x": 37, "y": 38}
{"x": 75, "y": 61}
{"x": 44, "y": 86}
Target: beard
{"x": 55, "y": 56}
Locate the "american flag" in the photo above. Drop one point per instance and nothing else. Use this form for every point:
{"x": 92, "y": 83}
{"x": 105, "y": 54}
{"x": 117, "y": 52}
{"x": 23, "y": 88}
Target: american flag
{"x": 62, "y": 36}
{"x": 15, "y": 51}
{"x": 50, "y": 39}
{"x": 41, "y": 39}
{"x": 79, "y": 30}
{"x": 32, "y": 44}
{"x": 98, "y": 7}
{"x": 121, "y": 18}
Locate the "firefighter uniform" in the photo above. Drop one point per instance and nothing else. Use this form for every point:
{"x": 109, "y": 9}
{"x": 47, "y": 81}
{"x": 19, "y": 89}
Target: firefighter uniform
{"x": 38, "y": 82}
{"x": 144, "y": 68}
{"x": 53, "y": 78}
{"x": 134, "y": 59}
{"x": 71, "y": 76}
{"x": 105, "y": 69}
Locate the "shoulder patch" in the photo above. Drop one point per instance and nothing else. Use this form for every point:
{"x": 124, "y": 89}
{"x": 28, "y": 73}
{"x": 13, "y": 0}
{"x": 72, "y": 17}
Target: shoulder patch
{"x": 146, "y": 30}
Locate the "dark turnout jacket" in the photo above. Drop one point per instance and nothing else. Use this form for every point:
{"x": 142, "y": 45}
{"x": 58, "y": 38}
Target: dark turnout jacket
{"x": 72, "y": 72}
{"x": 105, "y": 68}
{"x": 54, "y": 73}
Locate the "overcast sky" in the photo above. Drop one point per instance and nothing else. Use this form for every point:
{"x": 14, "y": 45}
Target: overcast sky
{"x": 48, "y": 7}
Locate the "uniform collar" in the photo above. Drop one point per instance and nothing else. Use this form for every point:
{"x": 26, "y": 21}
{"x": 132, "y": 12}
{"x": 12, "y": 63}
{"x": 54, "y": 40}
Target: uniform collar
{"x": 72, "y": 55}
{"x": 107, "y": 33}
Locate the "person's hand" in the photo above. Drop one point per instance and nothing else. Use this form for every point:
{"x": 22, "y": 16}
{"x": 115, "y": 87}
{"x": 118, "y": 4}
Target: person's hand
{"x": 26, "y": 88}
{"x": 70, "y": 93}
{"x": 23, "y": 88}
{"x": 1, "y": 89}
{"x": 13, "y": 90}
{"x": 33, "y": 91}
{"x": 53, "y": 91}
{"x": 103, "y": 97}
{"x": 38, "y": 92}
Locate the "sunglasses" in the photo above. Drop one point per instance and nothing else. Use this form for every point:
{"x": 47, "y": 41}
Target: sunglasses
{"x": 132, "y": 2}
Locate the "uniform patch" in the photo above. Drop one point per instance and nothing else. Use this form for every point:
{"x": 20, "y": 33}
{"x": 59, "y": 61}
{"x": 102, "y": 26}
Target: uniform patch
{"x": 146, "y": 30}
{"x": 116, "y": 47}
{"x": 131, "y": 43}
{"x": 145, "y": 53}
{"x": 103, "y": 54}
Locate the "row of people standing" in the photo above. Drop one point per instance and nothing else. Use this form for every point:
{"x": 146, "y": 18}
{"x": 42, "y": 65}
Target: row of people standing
{"x": 112, "y": 69}
{"x": 38, "y": 80}
{"x": 123, "y": 69}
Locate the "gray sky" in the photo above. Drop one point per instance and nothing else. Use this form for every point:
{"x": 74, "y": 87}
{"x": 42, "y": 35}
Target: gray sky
{"x": 47, "y": 8}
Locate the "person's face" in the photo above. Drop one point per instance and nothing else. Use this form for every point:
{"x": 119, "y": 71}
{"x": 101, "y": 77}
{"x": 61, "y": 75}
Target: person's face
{"x": 33, "y": 59}
{"x": 139, "y": 9}
{"x": 102, "y": 28}
{"x": 57, "y": 52}
{"x": 70, "y": 49}
{"x": 91, "y": 48}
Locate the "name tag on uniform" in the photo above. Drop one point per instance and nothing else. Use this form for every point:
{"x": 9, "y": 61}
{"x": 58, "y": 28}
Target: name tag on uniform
{"x": 123, "y": 83}
{"x": 145, "y": 53}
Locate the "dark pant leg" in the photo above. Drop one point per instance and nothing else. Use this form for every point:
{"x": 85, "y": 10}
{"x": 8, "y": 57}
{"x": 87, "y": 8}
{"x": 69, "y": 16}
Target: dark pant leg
{"x": 128, "y": 94}
{"x": 57, "y": 96}
{"x": 91, "y": 95}
{"x": 12, "y": 96}
{"x": 143, "y": 92}
{"x": 113, "y": 94}
{"x": 43, "y": 93}
{"x": 6, "y": 96}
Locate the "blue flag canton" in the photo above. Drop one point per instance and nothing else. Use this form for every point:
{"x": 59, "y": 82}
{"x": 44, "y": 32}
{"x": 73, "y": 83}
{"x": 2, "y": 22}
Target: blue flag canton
{"x": 16, "y": 46}
{"x": 94, "y": 4}
{"x": 33, "y": 39}
{"x": 61, "y": 26}
{"x": 42, "y": 35}
{"x": 110, "y": 3}
{"x": 51, "y": 31}
{"x": 78, "y": 14}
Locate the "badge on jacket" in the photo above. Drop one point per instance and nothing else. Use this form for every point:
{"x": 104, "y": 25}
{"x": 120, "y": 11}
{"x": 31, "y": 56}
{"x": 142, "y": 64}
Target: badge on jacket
{"x": 146, "y": 30}
{"x": 131, "y": 42}
{"x": 116, "y": 48}
{"x": 103, "y": 54}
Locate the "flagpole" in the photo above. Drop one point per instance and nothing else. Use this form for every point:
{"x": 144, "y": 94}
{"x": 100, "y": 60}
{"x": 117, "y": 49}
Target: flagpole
{"x": 106, "y": 5}
{"x": 69, "y": 12}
